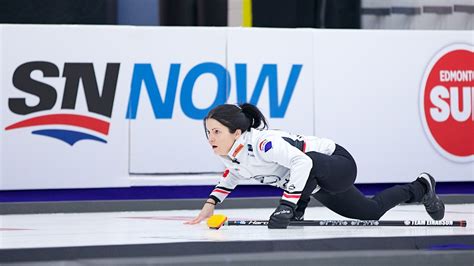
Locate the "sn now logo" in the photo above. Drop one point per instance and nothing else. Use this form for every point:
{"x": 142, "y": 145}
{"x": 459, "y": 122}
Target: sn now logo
{"x": 78, "y": 127}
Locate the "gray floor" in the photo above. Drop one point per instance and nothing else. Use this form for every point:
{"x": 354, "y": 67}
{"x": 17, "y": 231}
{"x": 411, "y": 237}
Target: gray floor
{"x": 310, "y": 258}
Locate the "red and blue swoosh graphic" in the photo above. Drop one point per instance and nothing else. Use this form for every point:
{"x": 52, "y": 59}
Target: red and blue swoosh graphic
{"x": 69, "y": 136}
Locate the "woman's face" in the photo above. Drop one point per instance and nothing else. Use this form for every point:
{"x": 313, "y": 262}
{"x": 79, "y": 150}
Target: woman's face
{"x": 220, "y": 137}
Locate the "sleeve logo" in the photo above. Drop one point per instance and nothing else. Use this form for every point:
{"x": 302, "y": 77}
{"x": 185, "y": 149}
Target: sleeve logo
{"x": 265, "y": 145}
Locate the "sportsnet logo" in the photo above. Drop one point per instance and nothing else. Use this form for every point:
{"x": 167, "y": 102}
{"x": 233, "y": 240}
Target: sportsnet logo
{"x": 64, "y": 125}
{"x": 31, "y": 81}
{"x": 447, "y": 101}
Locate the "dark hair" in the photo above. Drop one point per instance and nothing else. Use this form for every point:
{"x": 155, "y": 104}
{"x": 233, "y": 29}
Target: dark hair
{"x": 243, "y": 116}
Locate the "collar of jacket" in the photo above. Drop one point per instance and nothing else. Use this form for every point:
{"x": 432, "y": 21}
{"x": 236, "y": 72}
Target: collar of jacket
{"x": 238, "y": 147}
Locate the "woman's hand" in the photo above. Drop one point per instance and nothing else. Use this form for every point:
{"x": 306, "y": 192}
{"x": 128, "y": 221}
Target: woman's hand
{"x": 206, "y": 212}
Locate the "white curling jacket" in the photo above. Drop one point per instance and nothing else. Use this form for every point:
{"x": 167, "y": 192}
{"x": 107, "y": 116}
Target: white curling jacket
{"x": 271, "y": 157}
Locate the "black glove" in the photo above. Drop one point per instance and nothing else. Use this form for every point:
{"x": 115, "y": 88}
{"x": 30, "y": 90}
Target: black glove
{"x": 300, "y": 209}
{"x": 299, "y": 215}
{"x": 282, "y": 215}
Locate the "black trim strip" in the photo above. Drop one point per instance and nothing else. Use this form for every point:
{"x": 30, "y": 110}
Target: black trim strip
{"x": 402, "y": 10}
{"x": 231, "y": 202}
{"x": 299, "y": 144}
{"x": 464, "y": 8}
{"x": 375, "y": 11}
{"x": 440, "y": 10}
{"x": 216, "y": 199}
{"x": 131, "y": 194}
{"x": 224, "y": 188}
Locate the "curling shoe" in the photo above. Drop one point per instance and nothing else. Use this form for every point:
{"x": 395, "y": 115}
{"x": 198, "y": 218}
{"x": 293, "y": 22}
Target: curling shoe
{"x": 433, "y": 204}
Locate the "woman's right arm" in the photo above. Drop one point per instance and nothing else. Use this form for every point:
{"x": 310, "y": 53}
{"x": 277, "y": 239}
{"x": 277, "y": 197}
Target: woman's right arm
{"x": 206, "y": 212}
{"x": 225, "y": 186}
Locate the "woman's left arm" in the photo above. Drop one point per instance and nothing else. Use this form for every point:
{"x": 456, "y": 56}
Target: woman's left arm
{"x": 276, "y": 149}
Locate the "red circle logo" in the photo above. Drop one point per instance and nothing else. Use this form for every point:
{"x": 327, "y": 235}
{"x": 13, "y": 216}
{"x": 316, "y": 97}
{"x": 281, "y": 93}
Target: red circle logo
{"x": 447, "y": 102}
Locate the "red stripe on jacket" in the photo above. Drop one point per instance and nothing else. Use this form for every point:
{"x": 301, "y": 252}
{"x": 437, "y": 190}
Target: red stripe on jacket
{"x": 292, "y": 196}
{"x": 221, "y": 191}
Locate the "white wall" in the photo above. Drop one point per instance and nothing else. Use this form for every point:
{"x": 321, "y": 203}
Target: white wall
{"x": 176, "y": 144}
{"x": 1, "y": 110}
{"x": 360, "y": 88}
{"x": 260, "y": 47}
{"x": 367, "y": 99}
{"x": 35, "y": 162}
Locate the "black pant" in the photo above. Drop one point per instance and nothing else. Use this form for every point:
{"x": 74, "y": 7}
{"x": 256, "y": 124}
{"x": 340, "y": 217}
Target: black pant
{"x": 336, "y": 173}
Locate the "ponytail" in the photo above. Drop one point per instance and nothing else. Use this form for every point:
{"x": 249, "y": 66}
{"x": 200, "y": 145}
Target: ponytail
{"x": 244, "y": 117}
{"x": 254, "y": 115}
